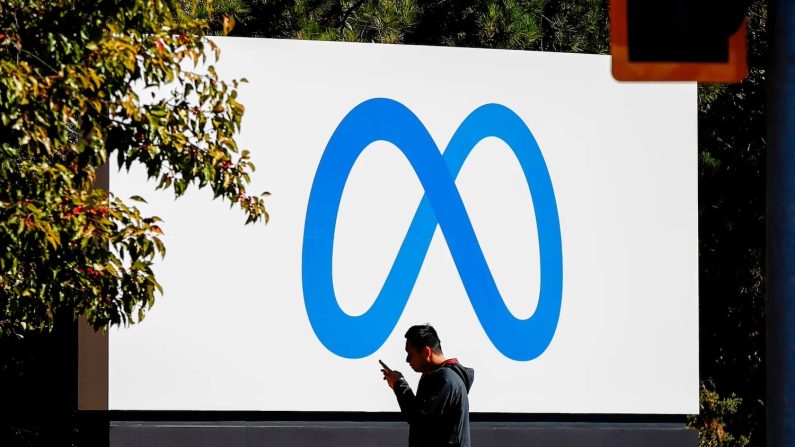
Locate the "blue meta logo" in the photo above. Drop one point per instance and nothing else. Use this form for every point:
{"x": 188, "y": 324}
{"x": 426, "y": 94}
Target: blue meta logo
{"x": 381, "y": 119}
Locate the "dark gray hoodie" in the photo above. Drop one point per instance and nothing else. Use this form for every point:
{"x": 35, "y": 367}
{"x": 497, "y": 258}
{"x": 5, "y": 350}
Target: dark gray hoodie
{"x": 439, "y": 414}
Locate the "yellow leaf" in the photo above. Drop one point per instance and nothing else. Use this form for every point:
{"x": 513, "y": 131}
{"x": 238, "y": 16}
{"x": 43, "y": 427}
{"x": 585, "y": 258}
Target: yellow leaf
{"x": 229, "y": 23}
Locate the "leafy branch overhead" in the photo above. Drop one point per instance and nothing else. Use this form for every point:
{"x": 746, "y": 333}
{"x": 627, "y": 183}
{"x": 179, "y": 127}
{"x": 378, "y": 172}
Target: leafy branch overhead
{"x": 75, "y": 78}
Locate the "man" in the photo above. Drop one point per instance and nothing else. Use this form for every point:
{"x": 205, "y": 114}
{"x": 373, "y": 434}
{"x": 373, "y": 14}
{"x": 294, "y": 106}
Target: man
{"x": 439, "y": 414}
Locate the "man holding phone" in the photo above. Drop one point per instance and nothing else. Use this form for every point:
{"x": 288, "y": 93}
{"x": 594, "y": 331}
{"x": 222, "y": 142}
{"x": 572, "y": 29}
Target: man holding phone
{"x": 438, "y": 415}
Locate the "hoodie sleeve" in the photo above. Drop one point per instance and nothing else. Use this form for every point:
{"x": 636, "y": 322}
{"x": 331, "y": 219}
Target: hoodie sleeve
{"x": 419, "y": 409}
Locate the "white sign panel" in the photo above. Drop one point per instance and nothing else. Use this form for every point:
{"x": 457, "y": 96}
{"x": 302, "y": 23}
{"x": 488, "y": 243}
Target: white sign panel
{"x": 542, "y": 216}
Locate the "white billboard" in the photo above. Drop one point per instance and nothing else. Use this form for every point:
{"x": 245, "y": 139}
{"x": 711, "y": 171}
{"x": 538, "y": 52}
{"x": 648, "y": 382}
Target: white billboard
{"x": 542, "y": 216}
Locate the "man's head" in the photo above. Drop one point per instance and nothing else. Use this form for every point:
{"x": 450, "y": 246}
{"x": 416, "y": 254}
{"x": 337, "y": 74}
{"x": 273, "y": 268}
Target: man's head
{"x": 423, "y": 348}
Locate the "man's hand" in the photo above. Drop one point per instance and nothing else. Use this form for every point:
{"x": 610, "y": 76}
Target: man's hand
{"x": 390, "y": 376}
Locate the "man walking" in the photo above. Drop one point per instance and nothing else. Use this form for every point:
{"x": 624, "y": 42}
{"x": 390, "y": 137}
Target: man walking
{"x": 438, "y": 415}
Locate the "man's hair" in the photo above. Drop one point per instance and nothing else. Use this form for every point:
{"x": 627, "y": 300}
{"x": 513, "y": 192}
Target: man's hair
{"x": 423, "y": 335}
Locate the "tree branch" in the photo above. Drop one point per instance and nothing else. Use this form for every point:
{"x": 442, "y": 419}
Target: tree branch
{"x": 348, "y": 13}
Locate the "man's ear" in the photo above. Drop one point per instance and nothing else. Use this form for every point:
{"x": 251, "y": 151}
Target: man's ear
{"x": 426, "y": 353}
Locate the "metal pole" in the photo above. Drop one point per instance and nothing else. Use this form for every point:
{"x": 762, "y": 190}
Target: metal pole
{"x": 781, "y": 226}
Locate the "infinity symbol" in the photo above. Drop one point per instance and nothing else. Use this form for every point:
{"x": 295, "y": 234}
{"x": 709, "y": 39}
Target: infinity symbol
{"x": 382, "y": 119}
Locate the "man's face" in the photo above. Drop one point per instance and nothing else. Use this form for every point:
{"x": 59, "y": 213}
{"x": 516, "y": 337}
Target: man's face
{"x": 416, "y": 359}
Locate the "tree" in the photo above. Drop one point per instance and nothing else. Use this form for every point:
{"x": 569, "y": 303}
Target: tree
{"x": 732, "y": 146}
{"x": 79, "y": 87}
{"x": 545, "y": 25}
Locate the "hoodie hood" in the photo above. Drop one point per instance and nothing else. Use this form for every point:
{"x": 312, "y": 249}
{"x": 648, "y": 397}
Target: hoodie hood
{"x": 467, "y": 375}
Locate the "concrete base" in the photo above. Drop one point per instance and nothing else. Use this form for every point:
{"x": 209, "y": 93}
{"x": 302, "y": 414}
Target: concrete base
{"x": 392, "y": 434}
